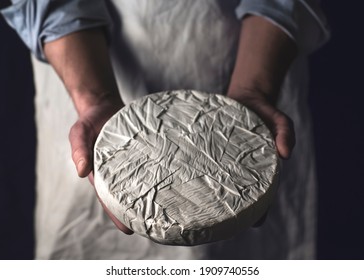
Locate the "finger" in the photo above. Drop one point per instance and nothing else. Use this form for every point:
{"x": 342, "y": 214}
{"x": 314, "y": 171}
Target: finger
{"x": 284, "y": 135}
{"x": 91, "y": 178}
{"x": 115, "y": 220}
{"x": 280, "y": 125}
{"x": 81, "y": 139}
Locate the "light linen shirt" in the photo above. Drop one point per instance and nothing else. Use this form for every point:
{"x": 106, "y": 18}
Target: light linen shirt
{"x": 41, "y": 21}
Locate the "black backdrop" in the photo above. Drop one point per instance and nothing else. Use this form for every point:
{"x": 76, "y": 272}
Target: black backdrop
{"x": 337, "y": 106}
{"x": 337, "y": 110}
{"x": 17, "y": 142}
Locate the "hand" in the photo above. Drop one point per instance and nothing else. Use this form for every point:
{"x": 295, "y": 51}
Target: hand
{"x": 81, "y": 59}
{"x": 82, "y": 137}
{"x": 84, "y": 132}
{"x": 264, "y": 55}
{"x": 280, "y": 125}
{"x": 115, "y": 220}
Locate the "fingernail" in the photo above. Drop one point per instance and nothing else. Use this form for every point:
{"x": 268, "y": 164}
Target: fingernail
{"x": 80, "y": 165}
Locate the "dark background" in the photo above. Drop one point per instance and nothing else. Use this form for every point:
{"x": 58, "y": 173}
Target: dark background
{"x": 337, "y": 110}
{"x": 337, "y": 105}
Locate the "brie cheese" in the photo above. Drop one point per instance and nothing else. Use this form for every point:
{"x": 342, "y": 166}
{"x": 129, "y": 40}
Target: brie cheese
{"x": 186, "y": 167}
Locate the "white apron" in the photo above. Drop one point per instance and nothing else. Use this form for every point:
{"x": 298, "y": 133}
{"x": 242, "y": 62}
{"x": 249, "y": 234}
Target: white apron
{"x": 174, "y": 45}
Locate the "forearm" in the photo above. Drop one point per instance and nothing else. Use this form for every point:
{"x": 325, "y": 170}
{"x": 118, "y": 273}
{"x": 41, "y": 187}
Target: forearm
{"x": 81, "y": 60}
{"x": 264, "y": 55}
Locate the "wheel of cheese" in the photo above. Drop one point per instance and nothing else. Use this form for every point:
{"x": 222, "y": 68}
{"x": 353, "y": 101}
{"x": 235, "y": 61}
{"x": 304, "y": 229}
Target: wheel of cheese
{"x": 186, "y": 167}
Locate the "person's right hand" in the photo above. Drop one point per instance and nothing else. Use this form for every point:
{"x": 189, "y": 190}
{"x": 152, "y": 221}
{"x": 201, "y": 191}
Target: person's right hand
{"x": 84, "y": 132}
{"x": 115, "y": 220}
{"x": 82, "y": 137}
{"x": 81, "y": 60}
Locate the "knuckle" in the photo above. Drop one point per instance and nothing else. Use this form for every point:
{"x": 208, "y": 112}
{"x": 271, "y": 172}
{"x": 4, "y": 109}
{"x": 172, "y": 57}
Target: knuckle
{"x": 75, "y": 130}
{"x": 284, "y": 121}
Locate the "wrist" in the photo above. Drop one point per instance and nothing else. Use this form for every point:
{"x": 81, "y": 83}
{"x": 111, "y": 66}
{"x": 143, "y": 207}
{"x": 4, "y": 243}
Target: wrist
{"x": 81, "y": 59}
{"x": 85, "y": 101}
{"x": 248, "y": 95}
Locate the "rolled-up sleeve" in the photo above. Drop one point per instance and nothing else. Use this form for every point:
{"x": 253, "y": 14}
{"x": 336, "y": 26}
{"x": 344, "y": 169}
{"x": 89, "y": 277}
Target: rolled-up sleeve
{"x": 302, "y": 20}
{"x": 40, "y": 21}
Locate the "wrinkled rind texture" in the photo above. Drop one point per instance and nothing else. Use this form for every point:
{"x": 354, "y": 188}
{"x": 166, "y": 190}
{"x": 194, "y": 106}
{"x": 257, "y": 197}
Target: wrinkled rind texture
{"x": 186, "y": 167}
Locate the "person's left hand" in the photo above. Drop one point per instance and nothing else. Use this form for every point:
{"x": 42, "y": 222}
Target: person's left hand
{"x": 265, "y": 53}
{"x": 279, "y": 124}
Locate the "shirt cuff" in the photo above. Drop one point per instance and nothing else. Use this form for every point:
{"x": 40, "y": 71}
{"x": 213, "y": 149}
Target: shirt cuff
{"x": 303, "y": 21}
{"x": 38, "y": 22}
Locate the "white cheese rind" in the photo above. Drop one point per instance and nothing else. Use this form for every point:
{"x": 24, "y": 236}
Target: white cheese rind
{"x": 186, "y": 167}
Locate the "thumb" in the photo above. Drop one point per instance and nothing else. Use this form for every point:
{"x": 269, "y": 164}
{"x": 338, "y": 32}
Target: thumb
{"x": 280, "y": 125}
{"x": 283, "y": 131}
{"x": 81, "y": 138}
